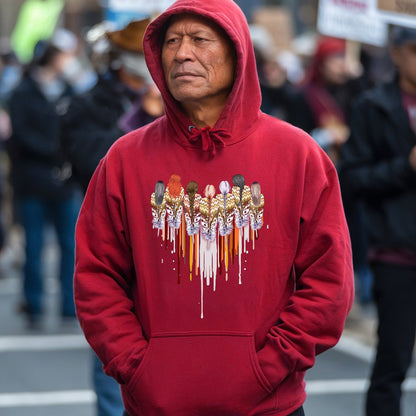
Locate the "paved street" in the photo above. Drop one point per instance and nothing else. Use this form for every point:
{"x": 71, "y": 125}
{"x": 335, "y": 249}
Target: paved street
{"x": 48, "y": 373}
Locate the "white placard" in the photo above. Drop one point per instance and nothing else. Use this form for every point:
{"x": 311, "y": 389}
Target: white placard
{"x": 356, "y": 20}
{"x": 140, "y": 6}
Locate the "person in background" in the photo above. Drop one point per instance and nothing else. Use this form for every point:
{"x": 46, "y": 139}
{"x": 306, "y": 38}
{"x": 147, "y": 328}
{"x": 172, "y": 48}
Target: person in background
{"x": 330, "y": 90}
{"x": 280, "y": 97}
{"x": 41, "y": 180}
{"x": 194, "y": 301}
{"x": 123, "y": 99}
{"x": 378, "y": 166}
{"x": 77, "y": 71}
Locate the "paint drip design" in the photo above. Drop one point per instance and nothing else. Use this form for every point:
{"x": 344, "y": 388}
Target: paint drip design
{"x": 209, "y": 231}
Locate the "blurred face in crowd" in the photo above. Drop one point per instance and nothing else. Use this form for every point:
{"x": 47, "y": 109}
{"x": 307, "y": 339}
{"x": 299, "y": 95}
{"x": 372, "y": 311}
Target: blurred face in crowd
{"x": 404, "y": 57}
{"x": 198, "y": 62}
{"x": 333, "y": 69}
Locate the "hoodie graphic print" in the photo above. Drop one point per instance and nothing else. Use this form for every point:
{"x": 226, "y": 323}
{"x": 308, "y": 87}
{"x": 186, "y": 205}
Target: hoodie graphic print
{"x": 219, "y": 226}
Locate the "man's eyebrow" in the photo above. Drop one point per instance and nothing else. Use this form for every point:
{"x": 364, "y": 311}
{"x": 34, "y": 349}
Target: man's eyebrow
{"x": 195, "y": 32}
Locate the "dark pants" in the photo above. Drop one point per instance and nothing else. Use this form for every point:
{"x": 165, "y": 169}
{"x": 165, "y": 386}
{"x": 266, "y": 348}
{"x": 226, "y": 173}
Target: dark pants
{"x": 394, "y": 295}
{"x": 35, "y": 214}
{"x": 298, "y": 412}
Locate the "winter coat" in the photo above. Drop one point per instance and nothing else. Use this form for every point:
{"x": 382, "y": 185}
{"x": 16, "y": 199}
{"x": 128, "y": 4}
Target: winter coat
{"x": 195, "y": 302}
{"x": 375, "y": 167}
{"x": 37, "y": 162}
{"x": 91, "y": 126}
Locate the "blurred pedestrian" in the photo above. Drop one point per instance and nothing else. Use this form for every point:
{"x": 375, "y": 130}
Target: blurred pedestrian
{"x": 280, "y": 97}
{"x": 329, "y": 93}
{"x": 78, "y": 70}
{"x": 378, "y": 165}
{"x": 181, "y": 340}
{"x": 122, "y": 100}
{"x": 330, "y": 90}
{"x": 40, "y": 178}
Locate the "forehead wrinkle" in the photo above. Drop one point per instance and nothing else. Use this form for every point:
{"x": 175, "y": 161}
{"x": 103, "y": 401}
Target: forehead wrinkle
{"x": 191, "y": 32}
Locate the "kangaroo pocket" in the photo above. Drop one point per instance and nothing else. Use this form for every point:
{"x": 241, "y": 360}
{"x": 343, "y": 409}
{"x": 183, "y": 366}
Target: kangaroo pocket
{"x": 199, "y": 375}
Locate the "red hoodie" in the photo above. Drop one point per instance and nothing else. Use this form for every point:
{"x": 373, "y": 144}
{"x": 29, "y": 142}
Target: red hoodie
{"x": 212, "y": 266}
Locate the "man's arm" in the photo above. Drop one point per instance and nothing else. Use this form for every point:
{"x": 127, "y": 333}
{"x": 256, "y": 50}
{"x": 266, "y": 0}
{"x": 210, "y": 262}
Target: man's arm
{"x": 314, "y": 317}
{"x": 104, "y": 273}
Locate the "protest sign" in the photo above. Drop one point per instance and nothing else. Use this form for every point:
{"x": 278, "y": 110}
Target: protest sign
{"x": 400, "y": 12}
{"x": 37, "y": 20}
{"x": 121, "y": 12}
{"x": 355, "y": 20}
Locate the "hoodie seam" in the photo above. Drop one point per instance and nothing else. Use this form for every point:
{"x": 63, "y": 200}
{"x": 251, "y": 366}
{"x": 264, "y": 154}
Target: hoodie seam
{"x": 186, "y": 334}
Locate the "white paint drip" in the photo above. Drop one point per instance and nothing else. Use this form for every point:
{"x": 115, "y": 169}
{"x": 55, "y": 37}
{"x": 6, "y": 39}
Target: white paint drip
{"x": 208, "y": 255}
{"x": 202, "y": 296}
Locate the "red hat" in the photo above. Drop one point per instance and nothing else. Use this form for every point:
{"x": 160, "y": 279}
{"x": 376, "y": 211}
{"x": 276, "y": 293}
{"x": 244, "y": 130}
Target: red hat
{"x": 328, "y": 46}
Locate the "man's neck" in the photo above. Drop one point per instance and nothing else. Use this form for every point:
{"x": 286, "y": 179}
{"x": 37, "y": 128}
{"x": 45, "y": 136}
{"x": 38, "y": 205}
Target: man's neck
{"x": 203, "y": 114}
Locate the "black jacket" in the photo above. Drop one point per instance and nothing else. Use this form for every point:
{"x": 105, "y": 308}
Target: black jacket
{"x": 374, "y": 166}
{"x": 90, "y": 126}
{"x": 35, "y": 146}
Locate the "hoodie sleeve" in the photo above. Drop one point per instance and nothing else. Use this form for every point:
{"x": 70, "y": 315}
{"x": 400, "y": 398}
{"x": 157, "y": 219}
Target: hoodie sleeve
{"x": 315, "y": 314}
{"x": 104, "y": 274}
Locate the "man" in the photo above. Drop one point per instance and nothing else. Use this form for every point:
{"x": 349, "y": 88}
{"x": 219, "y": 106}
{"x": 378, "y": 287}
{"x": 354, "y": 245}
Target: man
{"x": 195, "y": 302}
{"x": 378, "y": 165}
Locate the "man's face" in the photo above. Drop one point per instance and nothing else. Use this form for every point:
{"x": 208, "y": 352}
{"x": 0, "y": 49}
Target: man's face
{"x": 333, "y": 69}
{"x": 198, "y": 61}
{"x": 404, "y": 57}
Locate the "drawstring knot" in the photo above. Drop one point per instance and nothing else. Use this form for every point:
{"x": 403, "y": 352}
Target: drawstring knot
{"x": 209, "y": 138}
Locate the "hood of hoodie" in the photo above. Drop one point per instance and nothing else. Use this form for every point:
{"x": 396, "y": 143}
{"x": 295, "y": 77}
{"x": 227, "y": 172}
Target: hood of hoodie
{"x": 242, "y": 108}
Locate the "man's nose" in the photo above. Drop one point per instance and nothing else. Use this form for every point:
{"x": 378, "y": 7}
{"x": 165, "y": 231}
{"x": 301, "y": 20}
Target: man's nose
{"x": 185, "y": 50}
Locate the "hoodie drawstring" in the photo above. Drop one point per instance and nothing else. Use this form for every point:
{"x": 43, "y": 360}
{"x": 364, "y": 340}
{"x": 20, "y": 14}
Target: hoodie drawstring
{"x": 210, "y": 138}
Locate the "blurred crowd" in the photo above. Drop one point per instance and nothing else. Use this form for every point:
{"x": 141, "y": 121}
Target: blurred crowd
{"x": 61, "y": 111}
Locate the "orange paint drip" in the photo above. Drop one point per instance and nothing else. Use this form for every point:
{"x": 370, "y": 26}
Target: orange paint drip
{"x": 226, "y": 258}
{"x": 183, "y": 236}
{"x": 191, "y": 256}
{"x": 236, "y": 237}
{"x": 232, "y": 246}
{"x": 196, "y": 254}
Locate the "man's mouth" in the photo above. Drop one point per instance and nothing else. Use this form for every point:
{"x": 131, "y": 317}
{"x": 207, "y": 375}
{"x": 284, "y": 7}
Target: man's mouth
{"x": 185, "y": 75}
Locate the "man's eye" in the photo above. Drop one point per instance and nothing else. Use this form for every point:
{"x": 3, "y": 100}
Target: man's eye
{"x": 171, "y": 41}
